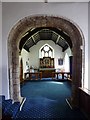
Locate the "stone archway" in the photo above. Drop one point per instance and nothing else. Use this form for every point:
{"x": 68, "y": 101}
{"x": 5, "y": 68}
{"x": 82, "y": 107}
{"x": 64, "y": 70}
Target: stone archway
{"x": 45, "y": 21}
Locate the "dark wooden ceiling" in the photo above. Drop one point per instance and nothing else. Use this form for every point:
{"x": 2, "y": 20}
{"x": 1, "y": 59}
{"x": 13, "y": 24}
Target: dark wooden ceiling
{"x": 45, "y": 33}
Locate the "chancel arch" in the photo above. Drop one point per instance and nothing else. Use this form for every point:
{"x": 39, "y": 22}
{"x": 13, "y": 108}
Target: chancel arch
{"x": 31, "y": 22}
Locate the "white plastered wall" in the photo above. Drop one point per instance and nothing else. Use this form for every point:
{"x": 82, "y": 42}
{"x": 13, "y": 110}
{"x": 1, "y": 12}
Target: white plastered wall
{"x": 89, "y": 47}
{"x": 0, "y": 48}
{"x": 25, "y": 58}
{"x": 66, "y": 62}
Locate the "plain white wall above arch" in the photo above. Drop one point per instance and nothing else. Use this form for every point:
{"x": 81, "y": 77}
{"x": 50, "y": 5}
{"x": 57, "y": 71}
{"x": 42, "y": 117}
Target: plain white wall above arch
{"x": 0, "y": 48}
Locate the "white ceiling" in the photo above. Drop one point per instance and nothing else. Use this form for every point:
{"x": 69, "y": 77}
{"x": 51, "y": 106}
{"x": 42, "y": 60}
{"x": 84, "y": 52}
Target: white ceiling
{"x": 44, "y": 0}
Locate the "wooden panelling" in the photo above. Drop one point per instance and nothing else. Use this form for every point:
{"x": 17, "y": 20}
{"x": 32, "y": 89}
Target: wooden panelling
{"x": 46, "y": 73}
{"x": 84, "y": 102}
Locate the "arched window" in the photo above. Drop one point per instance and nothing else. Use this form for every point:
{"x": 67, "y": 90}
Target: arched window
{"x": 46, "y": 51}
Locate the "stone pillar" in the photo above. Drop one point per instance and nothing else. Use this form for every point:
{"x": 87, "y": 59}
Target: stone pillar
{"x": 14, "y": 74}
{"x": 76, "y": 74}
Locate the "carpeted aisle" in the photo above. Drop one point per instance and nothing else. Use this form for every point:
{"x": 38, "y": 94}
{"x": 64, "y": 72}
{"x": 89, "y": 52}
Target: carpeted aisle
{"x": 47, "y": 101}
{"x": 48, "y": 89}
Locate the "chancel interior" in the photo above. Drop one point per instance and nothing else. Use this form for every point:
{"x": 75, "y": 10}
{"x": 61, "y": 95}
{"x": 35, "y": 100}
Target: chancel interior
{"x": 45, "y": 53}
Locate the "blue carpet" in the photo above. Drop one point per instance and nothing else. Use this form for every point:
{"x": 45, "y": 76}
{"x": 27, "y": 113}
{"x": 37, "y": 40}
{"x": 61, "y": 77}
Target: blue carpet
{"x": 47, "y": 101}
{"x": 59, "y": 78}
{"x": 43, "y": 108}
{"x": 47, "y": 89}
{"x": 48, "y": 79}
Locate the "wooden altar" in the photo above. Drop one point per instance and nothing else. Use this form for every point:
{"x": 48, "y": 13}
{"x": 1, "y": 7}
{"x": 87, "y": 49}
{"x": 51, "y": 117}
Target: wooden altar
{"x": 47, "y": 72}
{"x": 47, "y": 66}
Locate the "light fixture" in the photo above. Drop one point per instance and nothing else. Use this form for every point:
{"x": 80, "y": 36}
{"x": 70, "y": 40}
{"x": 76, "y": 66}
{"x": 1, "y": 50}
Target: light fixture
{"x": 46, "y": 1}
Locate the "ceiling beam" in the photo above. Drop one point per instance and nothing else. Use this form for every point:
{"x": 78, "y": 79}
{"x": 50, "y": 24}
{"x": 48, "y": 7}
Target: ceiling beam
{"x": 33, "y": 39}
{"x": 57, "y": 39}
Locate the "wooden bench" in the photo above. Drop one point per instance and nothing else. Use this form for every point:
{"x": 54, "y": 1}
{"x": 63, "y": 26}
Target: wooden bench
{"x": 33, "y": 75}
